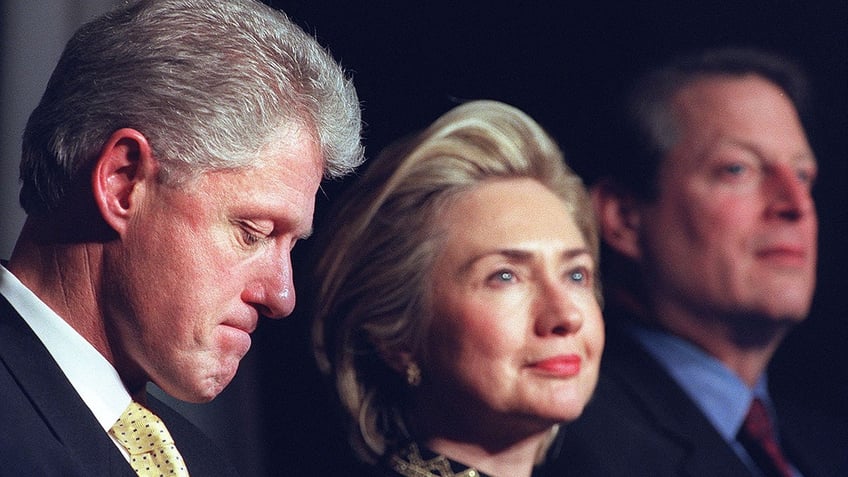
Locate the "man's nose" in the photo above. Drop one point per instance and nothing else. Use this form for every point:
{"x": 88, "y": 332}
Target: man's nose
{"x": 272, "y": 292}
{"x": 791, "y": 195}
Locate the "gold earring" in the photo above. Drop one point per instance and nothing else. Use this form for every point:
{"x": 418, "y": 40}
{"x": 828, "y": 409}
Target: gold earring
{"x": 413, "y": 374}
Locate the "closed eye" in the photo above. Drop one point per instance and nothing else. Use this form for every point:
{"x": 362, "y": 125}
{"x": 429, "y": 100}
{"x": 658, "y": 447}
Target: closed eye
{"x": 248, "y": 234}
{"x": 249, "y": 238}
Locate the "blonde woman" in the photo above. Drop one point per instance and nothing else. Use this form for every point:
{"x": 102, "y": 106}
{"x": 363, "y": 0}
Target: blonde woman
{"x": 459, "y": 311}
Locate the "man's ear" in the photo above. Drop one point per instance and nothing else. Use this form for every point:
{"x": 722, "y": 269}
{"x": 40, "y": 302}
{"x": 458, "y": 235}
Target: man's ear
{"x": 123, "y": 166}
{"x": 618, "y": 217}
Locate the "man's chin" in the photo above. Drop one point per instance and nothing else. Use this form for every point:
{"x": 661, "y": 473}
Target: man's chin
{"x": 201, "y": 392}
{"x": 787, "y": 314}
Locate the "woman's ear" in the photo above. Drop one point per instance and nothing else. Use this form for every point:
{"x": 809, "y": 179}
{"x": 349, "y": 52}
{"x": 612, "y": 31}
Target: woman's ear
{"x": 619, "y": 218}
{"x": 124, "y": 165}
{"x": 404, "y": 364}
{"x": 398, "y": 360}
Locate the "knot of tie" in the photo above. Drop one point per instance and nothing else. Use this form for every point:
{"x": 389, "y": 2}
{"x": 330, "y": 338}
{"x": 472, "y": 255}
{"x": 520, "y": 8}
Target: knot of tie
{"x": 757, "y": 422}
{"x": 147, "y": 440}
{"x": 759, "y": 439}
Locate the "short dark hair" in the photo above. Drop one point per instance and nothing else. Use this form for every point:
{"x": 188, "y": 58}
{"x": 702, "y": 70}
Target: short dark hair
{"x": 645, "y": 128}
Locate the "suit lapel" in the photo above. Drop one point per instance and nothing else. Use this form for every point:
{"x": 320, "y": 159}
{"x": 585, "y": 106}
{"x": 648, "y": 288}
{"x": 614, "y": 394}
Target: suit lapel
{"x": 670, "y": 410}
{"x": 55, "y": 399}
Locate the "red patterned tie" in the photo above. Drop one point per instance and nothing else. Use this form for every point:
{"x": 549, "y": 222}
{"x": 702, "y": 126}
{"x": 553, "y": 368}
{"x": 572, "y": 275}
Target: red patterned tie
{"x": 758, "y": 438}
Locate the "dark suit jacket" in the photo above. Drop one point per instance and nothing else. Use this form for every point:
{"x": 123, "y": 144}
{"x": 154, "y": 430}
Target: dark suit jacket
{"x": 47, "y": 430}
{"x": 641, "y": 423}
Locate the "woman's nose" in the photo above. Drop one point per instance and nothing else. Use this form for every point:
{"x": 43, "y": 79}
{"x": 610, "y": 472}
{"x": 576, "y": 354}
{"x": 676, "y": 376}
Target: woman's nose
{"x": 559, "y": 312}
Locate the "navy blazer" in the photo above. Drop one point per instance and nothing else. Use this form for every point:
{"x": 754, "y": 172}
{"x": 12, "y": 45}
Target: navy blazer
{"x": 47, "y": 430}
{"x": 640, "y": 422}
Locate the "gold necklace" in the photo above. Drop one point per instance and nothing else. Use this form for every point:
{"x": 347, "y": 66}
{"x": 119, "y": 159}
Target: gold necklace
{"x": 409, "y": 463}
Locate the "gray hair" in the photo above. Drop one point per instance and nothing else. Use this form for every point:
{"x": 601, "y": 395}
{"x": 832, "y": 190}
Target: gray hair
{"x": 207, "y": 82}
{"x": 375, "y": 274}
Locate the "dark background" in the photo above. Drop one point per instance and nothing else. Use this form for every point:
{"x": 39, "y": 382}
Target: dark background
{"x": 412, "y": 61}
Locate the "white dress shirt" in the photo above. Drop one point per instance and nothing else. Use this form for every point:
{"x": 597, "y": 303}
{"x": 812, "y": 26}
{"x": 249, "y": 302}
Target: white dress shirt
{"x": 94, "y": 378}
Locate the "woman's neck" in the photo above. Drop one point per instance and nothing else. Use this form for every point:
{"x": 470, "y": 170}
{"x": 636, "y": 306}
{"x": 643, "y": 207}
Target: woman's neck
{"x": 515, "y": 458}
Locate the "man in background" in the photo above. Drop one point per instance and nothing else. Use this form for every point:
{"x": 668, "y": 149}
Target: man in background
{"x": 167, "y": 172}
{"x": 710, "y": 231}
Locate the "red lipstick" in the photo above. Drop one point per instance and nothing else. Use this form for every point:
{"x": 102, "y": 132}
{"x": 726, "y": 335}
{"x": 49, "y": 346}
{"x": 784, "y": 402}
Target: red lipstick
{"x": 561, "y": 365}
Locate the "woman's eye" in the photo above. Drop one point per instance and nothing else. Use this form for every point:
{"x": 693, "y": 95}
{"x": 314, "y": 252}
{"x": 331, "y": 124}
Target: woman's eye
{"x": 503, "y": 276}
{"x": 580, "y": 276}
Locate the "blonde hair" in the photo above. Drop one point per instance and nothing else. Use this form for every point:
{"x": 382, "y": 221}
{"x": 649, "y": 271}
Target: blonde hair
{"x": 375, "y": 272}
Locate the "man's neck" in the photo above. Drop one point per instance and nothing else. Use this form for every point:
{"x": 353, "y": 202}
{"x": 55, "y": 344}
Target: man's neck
{"x": 65, "y": 276}
{"x": 745, "y": 344}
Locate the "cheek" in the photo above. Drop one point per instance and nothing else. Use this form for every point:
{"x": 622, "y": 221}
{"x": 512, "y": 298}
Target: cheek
{"x": 468, "y": 333}
{"x": 163, "y": 249}
{"x": 723, "y": 214}
{"x": 178, "y": 288}
{"x": 597, "y": 338}
{"x": 592, "y": 330}
{"x": 489, "y": 336}
{"x": 717, "y": 212}
{"x": 497, "y": 322}
{"x": 694, "y": 223}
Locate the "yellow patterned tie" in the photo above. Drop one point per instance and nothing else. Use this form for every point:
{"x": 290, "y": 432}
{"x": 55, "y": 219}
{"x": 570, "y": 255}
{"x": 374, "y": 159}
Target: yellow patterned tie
{"x": 151, "y": 448}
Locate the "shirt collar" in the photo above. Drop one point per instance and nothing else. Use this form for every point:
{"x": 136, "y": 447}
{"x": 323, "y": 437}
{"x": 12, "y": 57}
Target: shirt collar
{"x": 93, "y": 377}
{"x": 720, "y": 394}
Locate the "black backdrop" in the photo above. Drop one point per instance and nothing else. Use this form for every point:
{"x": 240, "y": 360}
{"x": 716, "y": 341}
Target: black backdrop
{"x": 412, "y": 61}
